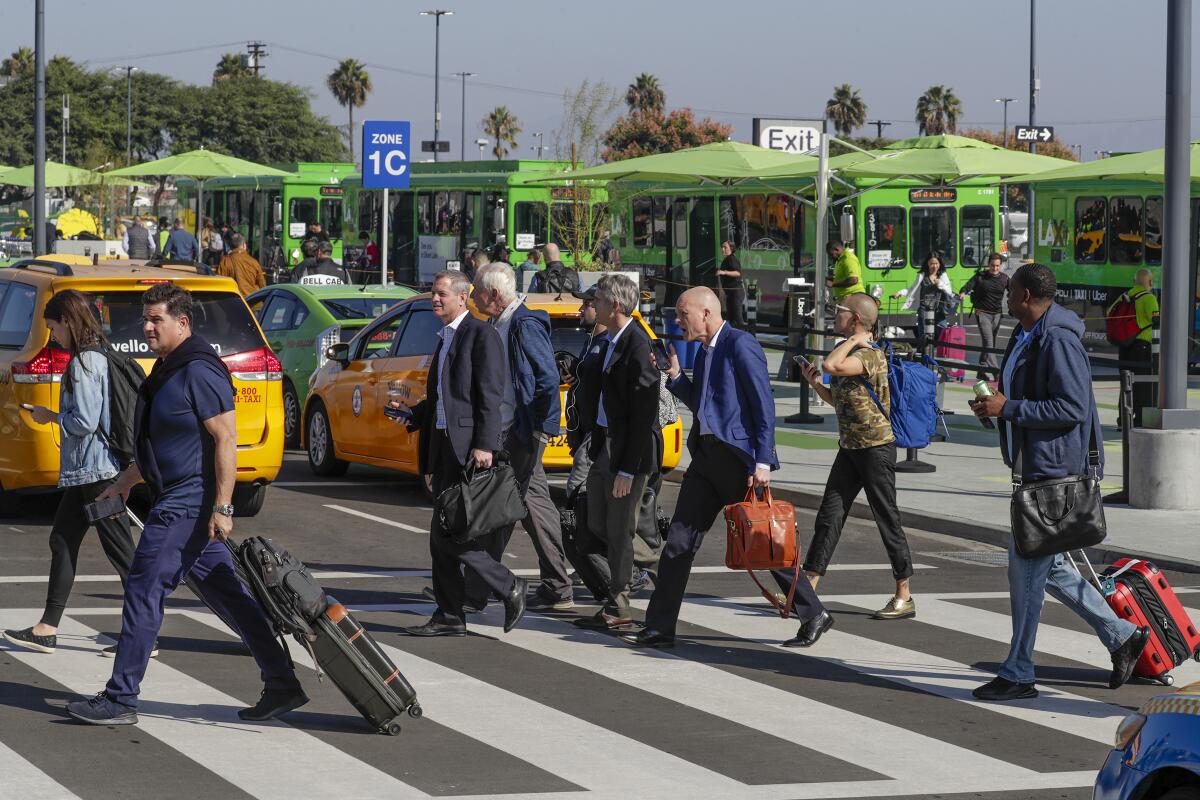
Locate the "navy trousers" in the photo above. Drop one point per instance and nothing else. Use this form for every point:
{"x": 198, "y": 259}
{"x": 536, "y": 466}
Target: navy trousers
{"x": 171, "y": 547}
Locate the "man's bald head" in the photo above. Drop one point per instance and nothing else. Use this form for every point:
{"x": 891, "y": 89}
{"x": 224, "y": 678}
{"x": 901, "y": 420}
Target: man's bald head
{"x": 698, "y": 312}
{"x": 864, "y": 306}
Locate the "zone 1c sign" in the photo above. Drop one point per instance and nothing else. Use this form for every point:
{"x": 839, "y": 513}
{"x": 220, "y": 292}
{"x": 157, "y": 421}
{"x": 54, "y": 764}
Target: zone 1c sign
{"x": 385, "y": 155}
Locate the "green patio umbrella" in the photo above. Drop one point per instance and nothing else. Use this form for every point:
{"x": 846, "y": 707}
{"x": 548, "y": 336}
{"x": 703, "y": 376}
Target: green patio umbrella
{"x": 949, "y": 158}
{"x": 201, "y": 164}
{"x": 720, "y": 163}
{"x": 808, "y": 168}
{"x": 60, "y": 175}
{"x": 1147, "y": 167}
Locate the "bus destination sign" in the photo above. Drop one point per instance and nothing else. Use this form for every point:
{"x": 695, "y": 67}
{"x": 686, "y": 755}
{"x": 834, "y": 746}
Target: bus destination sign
{"x": 933, "y": 194}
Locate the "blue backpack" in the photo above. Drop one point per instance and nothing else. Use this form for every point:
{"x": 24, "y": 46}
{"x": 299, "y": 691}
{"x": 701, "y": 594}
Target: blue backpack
{"x": 913, "y": 387}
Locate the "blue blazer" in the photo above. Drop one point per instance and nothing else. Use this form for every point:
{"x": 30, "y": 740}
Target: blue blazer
{"x": 740, "y": 409}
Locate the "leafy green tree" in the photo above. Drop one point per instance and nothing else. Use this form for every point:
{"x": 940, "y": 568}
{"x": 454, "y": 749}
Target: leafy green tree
{"x": 938, "y": 110}
{"x": 230, "y": 66}
{"x": 846, "y": 110}
{"x": 502, "y": 126}
{"x": 266, "y": 122}
{"x": 19, "y": 63}
{"x": 349, "y": 84}
{"x": 645, "y": 94}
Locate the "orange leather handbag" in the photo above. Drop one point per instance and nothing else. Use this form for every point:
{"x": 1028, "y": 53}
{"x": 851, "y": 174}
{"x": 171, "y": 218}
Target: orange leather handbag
{"x": 761, "y": 534}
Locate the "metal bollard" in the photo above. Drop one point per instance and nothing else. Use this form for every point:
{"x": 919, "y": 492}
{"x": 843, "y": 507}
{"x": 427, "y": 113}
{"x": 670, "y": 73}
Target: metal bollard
{"x": 1126, "y": 413}
{"x": 752, "y": 305}
{"x": 646, "y": 306}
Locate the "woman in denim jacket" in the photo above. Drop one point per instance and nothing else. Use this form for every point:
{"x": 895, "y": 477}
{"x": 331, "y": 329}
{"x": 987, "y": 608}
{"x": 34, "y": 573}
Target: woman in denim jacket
{"x": 87, "y": 466}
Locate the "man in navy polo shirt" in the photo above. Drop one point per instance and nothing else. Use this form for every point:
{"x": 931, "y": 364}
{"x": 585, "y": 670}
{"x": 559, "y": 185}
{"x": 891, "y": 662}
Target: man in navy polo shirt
{"x": 186, "y": 452}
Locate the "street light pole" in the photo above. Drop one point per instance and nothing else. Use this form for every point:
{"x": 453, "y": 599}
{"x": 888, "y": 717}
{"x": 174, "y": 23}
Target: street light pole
{"x": 462, "y": 137}
{"x": 39, "y": 127}
{"x": 879, "y": 126}
{"x": 538, "y": 146}
{"x": 1033, "y": 90}
{"x": 437, "y": 14}
{"x": 1006, "y": 101}
{"x": 482, "y": 144}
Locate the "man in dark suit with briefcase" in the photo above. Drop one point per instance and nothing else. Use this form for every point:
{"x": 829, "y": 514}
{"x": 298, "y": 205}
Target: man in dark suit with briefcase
{"x": 459, "y": 425}
{"x": 732, "y": 443}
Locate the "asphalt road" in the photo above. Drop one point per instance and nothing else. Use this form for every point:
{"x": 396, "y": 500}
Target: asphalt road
{"x": 877, "y": 709}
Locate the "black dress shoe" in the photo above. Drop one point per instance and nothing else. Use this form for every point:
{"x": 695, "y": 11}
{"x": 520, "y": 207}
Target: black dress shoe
{"x": 811, "y": 631}
{"x": 437, "y": 627}
{"x": 1125, "y": 657}
{"x": 273, "y": 702}
{"x": 648, "y": 637}
{"x": 514, "y": 604}
{"x": 603, "y": 622}
{"x": 1001, "y": 689}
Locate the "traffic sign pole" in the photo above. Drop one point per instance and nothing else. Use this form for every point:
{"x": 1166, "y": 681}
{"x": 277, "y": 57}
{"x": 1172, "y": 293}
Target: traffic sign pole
{"x": 383, "y": 243}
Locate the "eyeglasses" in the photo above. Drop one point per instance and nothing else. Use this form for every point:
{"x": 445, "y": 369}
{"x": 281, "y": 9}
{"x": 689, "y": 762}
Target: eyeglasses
{"x": 840, "y": 309}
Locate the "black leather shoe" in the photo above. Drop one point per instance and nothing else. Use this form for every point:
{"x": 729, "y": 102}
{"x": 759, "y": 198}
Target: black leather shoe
{"x": 514, "y": 604}
{"x": 1125, "y": 657}
{"x": 811, "y": 631}
{"x": 648, "y": 637}
{"x": 436, "y": 627}
{"x": 271, "y": 704}
{"x": 1001, "y": 689}
{"x": 602, "y": 622}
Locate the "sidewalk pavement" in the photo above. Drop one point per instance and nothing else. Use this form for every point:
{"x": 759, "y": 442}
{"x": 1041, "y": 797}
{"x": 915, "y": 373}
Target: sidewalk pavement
{"x": 968, "y": 495}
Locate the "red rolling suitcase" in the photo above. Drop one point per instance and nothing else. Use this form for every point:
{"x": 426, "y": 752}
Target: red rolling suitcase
{"x": 952, "y": 341}
{"x": 1140, "y": 593}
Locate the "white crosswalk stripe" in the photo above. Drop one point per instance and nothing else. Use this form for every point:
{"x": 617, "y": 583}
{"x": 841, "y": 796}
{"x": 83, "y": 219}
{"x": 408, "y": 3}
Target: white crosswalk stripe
{"x": 198, "y": 721}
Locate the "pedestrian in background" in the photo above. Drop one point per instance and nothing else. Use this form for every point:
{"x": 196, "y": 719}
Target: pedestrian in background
{"x": 987, "y": 288}
{"x": 212, "y": 245}
{"x": 624, "y": 450}
{"x": 847, "y": 271}
{"x": 529, "y": 267}
{"x": 87, "y": 465}
{"x": 931, "y": 290}
{"x": 242, "y": 267}
{"x": 322, "y": 270}
{"x": 583, "y": 396}
{"x": 137, "y": 241}
{"x": 733, "y": 288}
{"x": 1048, "y": 422}
{"x": 180, "y": 243}
{"x": 187, "y": 453}
{"x": 557, "y": 277}
{"x": 1138, "y": 352}
{"x": 732, "y": 443}
{"x": 530, "y": 413}
{"x": 866, "y": 456}
{"x": 459, "y": 424}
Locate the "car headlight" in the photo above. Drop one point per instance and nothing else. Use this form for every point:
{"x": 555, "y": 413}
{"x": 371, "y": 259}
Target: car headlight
{"x": 1129, "y": 728}
{"x": 330, "y": 336}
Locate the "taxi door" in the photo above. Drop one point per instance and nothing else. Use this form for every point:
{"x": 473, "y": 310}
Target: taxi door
{"x": 409, "y": 363}
{"x": 357, "y": 415}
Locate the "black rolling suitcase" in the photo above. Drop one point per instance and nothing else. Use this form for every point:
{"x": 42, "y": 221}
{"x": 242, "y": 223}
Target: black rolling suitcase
{"x": 342, "y": 649}
{"x": 360, "y": 668}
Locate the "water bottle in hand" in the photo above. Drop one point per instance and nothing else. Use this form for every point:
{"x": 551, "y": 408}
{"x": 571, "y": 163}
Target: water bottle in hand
{"x": 982, "y": 389}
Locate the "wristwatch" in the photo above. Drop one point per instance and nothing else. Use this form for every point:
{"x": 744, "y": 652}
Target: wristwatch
{"x": 226, "y": 509}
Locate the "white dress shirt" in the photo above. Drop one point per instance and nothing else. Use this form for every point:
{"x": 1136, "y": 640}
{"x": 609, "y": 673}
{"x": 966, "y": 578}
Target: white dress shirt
{"x": 447, "y": 334}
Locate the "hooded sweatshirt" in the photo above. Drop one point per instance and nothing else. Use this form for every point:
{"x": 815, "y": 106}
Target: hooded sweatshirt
{"x": 534, "y": 374}
{"x": 1051, "y": 408}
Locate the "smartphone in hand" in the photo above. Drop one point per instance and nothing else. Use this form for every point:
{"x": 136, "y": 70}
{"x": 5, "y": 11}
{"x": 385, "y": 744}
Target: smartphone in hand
{"x": 103, "y": 509}
{"x": 662, "y": 358}
{"x": 403, "y": 413}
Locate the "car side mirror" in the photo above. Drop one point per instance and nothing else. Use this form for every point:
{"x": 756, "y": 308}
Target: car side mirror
{"x": 339, "y": 352}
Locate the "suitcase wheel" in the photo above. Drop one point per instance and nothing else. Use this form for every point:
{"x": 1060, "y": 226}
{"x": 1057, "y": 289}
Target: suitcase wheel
{"x": 1196, "y": 654}
{"x": 1166, "y": 680}
{"x": 391, "y": 730}
{"x": 415, "y": 711}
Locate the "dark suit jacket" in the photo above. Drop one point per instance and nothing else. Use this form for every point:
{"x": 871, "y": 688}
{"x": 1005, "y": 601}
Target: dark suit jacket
{"x": 474, "y": 374}
{"x": 630, "y": 390}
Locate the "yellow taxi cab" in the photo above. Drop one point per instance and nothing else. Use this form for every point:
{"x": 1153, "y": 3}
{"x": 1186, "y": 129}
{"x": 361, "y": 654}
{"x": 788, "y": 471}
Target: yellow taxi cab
{"x": 343, "y": 416}
{"x": 31, "y": 364}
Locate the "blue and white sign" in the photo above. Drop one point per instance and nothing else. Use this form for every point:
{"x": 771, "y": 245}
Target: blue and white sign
{"x": 385, "y": 154}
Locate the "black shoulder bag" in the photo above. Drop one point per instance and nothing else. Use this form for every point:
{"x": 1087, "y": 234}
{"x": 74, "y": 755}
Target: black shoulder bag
{"x": 1057, "y": 514}
{"x": 484, "y": 500}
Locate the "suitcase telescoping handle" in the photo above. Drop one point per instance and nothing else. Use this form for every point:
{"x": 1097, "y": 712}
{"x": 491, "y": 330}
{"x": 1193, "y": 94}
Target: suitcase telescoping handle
{"x": 1108, "y": 584}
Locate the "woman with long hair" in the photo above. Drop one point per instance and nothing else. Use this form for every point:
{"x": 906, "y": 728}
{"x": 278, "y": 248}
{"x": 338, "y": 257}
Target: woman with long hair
{"x": 931, "y": 290}
{"x": 87, "y": 465}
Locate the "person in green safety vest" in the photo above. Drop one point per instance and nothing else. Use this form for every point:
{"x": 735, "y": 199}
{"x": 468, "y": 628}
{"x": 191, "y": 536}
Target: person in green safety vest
{"x": 847, "y": 271}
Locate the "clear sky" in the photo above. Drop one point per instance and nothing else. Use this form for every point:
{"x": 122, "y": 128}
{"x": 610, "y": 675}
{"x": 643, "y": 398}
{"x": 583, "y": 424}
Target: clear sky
{"x": 1101, "y": 62}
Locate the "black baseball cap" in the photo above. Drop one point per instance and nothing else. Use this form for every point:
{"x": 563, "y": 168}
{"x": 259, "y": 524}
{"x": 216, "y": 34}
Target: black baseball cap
{"x": 587, "y": 294}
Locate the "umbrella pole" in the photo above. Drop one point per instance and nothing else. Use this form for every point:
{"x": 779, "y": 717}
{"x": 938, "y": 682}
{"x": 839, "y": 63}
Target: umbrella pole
{"x": 199, "y": 206}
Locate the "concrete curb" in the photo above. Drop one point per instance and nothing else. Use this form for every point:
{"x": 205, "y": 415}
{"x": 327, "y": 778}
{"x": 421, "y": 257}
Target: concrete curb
{"x": 1103, "y": 553}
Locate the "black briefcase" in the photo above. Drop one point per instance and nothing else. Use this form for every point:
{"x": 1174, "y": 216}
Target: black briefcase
{"x": 1058, "y": 514}
{"x": 484, "y": 500}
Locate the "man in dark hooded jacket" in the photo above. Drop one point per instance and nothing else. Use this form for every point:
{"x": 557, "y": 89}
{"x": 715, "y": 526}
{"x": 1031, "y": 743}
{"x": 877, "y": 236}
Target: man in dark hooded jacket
{"x": 1049, "y": 428}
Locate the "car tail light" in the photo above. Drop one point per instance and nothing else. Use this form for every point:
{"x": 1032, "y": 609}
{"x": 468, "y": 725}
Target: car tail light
{"x": 46, "y": 367}
{"x": 254, "y": 365}
{"x": 330, "y": 336}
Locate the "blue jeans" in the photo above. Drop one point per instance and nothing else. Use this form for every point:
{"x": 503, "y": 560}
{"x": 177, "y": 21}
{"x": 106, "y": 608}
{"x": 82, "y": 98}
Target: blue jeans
{"x": 1028, "y": 581}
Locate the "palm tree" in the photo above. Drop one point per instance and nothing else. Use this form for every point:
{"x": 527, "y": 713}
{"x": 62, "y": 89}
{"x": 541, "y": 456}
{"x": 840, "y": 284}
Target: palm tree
{"x": 230, "y": 66}
{"x": 502, "y": 126}
{"x": 938, "y": 111}
{"x": 350, "y": 83}
{"x": 19, "y": 63}
{"x": 644, "y": 94}
{"x": 846, "y": 109}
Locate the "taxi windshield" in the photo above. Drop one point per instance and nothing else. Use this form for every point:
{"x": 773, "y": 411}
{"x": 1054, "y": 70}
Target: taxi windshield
{"x": 357, "y": 307}
{"x": 220, "y": 317}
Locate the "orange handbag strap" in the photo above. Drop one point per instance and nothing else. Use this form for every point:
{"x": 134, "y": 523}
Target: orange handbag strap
{"x": 785, "y": 609}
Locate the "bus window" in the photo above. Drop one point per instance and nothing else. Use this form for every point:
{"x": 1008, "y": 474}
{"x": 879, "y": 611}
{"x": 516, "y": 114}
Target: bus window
{"x": 491, "y": 201}
{"x": 366, "y": 211}
{"x": 470, "y": 217}
{"x": 660, "y": 221}
{"x": 643, "y": 222}
{"x": 531, "y": 217}
{"x": 1089, "y": 230}
{"x": 302, "y": 209}
{"x": 425, "y": 219}
{"x": 733, "y": 220}
{"x": 331, "y": 217}
{"x": 887, "y": 237}
{"x": 1125, "y": 234}
{"x": 978, "y": 235}
{"x": 1154, "y": 206}
{"x": 568, "y": 225}
{"x": 933, "y": 232}
{"x": 679, "y": 218}
{"x": 233, "y": 208}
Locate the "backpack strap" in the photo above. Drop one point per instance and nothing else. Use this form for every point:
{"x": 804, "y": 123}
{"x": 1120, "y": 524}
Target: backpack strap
{"x": 867, "y": 384}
